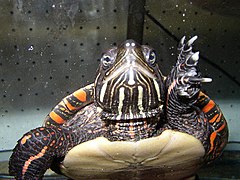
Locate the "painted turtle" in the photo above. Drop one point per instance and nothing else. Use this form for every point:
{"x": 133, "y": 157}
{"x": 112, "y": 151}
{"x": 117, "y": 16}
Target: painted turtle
{"x": 130, "y": 118}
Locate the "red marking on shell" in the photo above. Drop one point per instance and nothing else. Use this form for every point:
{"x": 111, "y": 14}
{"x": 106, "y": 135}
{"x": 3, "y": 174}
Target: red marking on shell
{"x": 214, "y": 118}
{"x": 219, "y": 118}
{"x": 80, "y": 95}
{"x": 55, "y": 117}
{"x": 68, "y": 105}
{"x": 209, "y": 106}
{"x": 214, "y": 135}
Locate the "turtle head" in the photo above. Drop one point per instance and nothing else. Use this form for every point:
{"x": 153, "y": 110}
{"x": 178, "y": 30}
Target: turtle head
{"x": 129, "y": 83}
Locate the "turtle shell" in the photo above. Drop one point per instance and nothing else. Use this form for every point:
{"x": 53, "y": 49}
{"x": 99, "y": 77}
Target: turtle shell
{"x": 174, "y": 154}
{"x": 139, "y": 122}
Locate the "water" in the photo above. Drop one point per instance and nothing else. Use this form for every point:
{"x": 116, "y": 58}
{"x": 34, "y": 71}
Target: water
{"x": 49, "y": 49}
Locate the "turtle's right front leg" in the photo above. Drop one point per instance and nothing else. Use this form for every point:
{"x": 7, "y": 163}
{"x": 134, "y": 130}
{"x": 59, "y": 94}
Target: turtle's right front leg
{"x": 34, "y": 152}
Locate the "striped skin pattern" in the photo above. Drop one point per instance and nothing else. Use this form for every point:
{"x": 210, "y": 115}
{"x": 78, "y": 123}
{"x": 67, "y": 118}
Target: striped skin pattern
{"x": 138, "y": 87}
{"x": 190, "y": 110}
{"x": 38, "y": 149}
{"x": 69, "y": 105}
{"x": 34, "y": 152}
{"x": 129, "y": 84}
{"x": 132, "y": 101}
{"x": 132, "y": 130}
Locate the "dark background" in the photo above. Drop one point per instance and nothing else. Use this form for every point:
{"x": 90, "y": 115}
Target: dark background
{"x": 50, "y": 48}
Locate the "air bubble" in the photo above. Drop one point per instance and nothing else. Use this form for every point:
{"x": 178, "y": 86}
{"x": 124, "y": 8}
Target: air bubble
{"x": 31, "y": 48}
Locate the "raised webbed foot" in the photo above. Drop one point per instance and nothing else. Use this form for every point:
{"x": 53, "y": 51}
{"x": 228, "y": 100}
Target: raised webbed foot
{"x": 185, "y": 79}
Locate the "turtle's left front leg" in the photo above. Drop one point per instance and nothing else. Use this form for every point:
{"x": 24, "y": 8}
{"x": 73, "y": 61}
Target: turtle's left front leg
{"x": 183, "y": 88}
{"x": 190, "y": 110}
{"x": 185, "y": 78}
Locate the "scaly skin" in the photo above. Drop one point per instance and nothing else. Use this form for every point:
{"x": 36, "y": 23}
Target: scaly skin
{"x": 34, "y": 152}
{"x": 187, "y": 109}
{"x": 218, "y": 137}
{"x": 190, "y": 110}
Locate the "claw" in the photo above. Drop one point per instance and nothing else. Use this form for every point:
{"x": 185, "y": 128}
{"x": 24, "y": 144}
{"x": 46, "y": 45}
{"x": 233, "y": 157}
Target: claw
{"x": 196, "y": 79}
{"x": 191, "y": 41}
{"x": 206, "y": 80}
{"x": 195, "y": 56}
{"x": 183, "y": 93}
{"x": 193, "y": 60}
{"x": 181, "y": 43}
{"x": 182, "y": 40}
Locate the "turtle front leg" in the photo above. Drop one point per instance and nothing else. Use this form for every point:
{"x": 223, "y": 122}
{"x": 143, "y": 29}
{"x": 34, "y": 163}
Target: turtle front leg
{"x": 191, "y": 111}
{"x": 183, "y": 88}
{"x": 35, "y": 151}
{"x": 184, "y": 81}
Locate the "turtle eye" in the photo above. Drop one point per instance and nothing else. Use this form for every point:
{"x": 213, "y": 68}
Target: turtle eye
{"x": 152, "y": 57}
{"x": 106, "y": 60}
